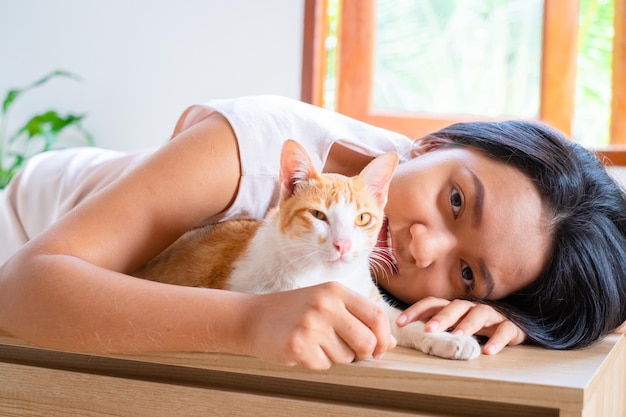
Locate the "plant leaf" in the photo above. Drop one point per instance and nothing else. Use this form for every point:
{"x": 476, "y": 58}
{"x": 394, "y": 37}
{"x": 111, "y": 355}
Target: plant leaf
{"x": 13, "y": 94}
{"x": 50, "y": 121}
{"x": 38, "y": 134}
{"x": 8, "y": 173}
{"x": 53, "y": 74}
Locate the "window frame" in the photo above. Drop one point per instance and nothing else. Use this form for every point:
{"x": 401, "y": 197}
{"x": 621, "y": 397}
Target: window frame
{"x": 355, "y": 53}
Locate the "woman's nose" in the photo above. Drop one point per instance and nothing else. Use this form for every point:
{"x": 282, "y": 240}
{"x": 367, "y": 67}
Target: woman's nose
{"x": 428, "y": 244}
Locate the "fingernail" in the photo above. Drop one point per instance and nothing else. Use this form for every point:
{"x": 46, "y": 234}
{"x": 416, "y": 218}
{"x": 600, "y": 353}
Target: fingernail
{"x": 458, "y": 332}
{"x": 490, "y": 349}
{"x": 401, "y": 319}
{"x": 432, "y": 325}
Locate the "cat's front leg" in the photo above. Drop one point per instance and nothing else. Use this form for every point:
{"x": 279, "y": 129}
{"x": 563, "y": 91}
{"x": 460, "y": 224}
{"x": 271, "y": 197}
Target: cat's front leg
{"x": 442, "y": 344}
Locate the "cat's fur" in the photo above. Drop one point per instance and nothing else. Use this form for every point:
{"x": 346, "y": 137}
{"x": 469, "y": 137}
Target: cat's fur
{"x": 324, "y": 228}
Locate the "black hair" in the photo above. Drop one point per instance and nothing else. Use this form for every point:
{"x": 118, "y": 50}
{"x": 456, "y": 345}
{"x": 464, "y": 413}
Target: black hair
{"x": 580, "y": 295}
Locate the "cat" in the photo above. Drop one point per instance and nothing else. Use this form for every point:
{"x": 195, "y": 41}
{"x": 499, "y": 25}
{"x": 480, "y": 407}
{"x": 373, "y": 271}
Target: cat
{"x": 324, "y": 228}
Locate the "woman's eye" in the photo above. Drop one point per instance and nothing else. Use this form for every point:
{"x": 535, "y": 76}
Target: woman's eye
{"x": 467, "y": 275}
{"x": 318, "y": 215}
{"x": 363, "y": 219}
{"x": 456, "y": 202}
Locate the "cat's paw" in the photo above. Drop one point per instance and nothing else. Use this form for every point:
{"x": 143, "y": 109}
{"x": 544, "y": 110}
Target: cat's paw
{"x": 449, "y": 346}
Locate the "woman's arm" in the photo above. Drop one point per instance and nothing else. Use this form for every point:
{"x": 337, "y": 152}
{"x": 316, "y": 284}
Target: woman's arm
{"x": 107, "y": 312}
{"x": 67, "y": 288}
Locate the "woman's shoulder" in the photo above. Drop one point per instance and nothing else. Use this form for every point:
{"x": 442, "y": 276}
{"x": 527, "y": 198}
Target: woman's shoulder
{"x": 261, "y": 125}
{"x": 265, "y": 117}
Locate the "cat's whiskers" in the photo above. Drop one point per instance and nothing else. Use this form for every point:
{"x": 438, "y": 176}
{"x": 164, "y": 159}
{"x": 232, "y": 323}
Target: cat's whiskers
{"x": 303, "y": 248}
{"x": 374, "y": 267}
{"x": 379, "y": 261}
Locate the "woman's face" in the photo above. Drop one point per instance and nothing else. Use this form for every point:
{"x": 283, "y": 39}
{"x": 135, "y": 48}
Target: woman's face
{"x": 461, "y": 224}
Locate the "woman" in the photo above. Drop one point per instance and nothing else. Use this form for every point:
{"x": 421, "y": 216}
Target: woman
{"x": 508, "y": 219}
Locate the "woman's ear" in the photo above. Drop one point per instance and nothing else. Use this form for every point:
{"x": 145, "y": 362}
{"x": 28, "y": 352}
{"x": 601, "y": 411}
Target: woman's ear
{"x": 422, "y": 145}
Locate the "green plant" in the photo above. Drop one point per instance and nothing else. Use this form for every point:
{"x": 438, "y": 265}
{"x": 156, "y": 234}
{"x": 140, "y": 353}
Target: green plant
{"x": 38, "y": 134}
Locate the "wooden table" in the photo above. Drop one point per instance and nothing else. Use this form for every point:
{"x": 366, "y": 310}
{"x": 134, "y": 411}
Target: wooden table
{"x": 520, "y": 381}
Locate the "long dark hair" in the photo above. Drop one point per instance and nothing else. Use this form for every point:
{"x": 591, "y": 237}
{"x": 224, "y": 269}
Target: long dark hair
{"x": 581, "y": 294}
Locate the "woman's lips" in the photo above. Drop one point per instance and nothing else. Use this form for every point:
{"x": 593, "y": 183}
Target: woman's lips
{"x": 386, "y": 243}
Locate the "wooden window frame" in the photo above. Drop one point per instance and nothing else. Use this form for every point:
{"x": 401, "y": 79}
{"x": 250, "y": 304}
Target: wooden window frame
{"x": 355, "y": 71}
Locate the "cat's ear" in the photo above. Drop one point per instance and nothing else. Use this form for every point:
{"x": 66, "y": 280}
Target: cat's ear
{"x": 377, "y": 175}
{"x": 295, "y": 166}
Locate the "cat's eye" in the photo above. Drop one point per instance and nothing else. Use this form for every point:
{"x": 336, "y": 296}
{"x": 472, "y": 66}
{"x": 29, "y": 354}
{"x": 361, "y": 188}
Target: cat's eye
{"x": 467, "y": 275}
{"x": 456, "y": 202}
{"x": 363, "y": 219}
{"x": 318, "y": 215}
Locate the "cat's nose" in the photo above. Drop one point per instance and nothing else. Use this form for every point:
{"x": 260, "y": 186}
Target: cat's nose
{"x": 342, "y": 245}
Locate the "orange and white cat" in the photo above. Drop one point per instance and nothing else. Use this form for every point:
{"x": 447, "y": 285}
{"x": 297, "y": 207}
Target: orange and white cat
{"x": 324, "y": 228}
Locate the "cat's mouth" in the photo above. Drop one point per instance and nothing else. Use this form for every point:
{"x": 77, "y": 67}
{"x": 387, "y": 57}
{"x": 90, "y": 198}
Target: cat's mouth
{"x": 385, "y": 242}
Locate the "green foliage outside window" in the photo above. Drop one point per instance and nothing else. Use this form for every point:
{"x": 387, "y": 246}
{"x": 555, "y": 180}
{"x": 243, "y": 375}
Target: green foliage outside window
{"x": 593, "y": 79}
{"x": 594, "y": 67}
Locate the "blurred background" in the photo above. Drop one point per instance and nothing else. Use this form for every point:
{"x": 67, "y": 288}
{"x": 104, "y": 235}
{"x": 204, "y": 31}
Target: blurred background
{"x": 142, "y": 62}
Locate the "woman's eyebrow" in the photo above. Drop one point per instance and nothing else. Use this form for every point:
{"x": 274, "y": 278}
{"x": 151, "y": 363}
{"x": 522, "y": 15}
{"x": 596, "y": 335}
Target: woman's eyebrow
{"x": 479, "y": 198}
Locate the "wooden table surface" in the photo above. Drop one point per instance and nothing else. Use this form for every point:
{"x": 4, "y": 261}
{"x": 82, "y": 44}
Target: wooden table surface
{"x": 520, "y": 381}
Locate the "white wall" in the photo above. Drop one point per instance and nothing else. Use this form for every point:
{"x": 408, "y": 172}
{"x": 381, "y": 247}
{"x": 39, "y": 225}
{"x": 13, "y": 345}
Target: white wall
{"x": 142, "y": 62}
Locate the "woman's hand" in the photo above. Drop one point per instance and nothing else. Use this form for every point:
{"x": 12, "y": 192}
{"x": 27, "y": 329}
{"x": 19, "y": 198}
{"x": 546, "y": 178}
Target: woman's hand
{"x": 465, "y": 317}
{"x": 316, "y": 327}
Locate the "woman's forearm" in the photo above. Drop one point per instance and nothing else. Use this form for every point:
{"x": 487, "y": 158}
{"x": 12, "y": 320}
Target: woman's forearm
{"x": 62, "y": 302}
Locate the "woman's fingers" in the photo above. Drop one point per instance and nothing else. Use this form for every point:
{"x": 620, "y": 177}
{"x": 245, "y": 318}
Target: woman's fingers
{"x": 476, "y": 318}
{"x": 505, "y": 333}
{"x": 467, "y": 318}
{"x": 449, "y": 315}
{"x": 436, "y": 313}
{"x": 374, "y": 337}
{"x": 422, "y": 310}
{"x": 323, "y": 356}
{"x": 486, "y": 321}
{"x": 319, "y": 326}
{"x": 362, "y": 324}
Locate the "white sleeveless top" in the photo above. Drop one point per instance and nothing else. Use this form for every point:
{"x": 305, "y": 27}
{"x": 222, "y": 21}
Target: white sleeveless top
{"x": 52, "y": 183}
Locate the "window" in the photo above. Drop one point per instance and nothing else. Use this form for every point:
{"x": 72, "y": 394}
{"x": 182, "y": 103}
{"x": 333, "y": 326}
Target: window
{"x": 538, "y": 48}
